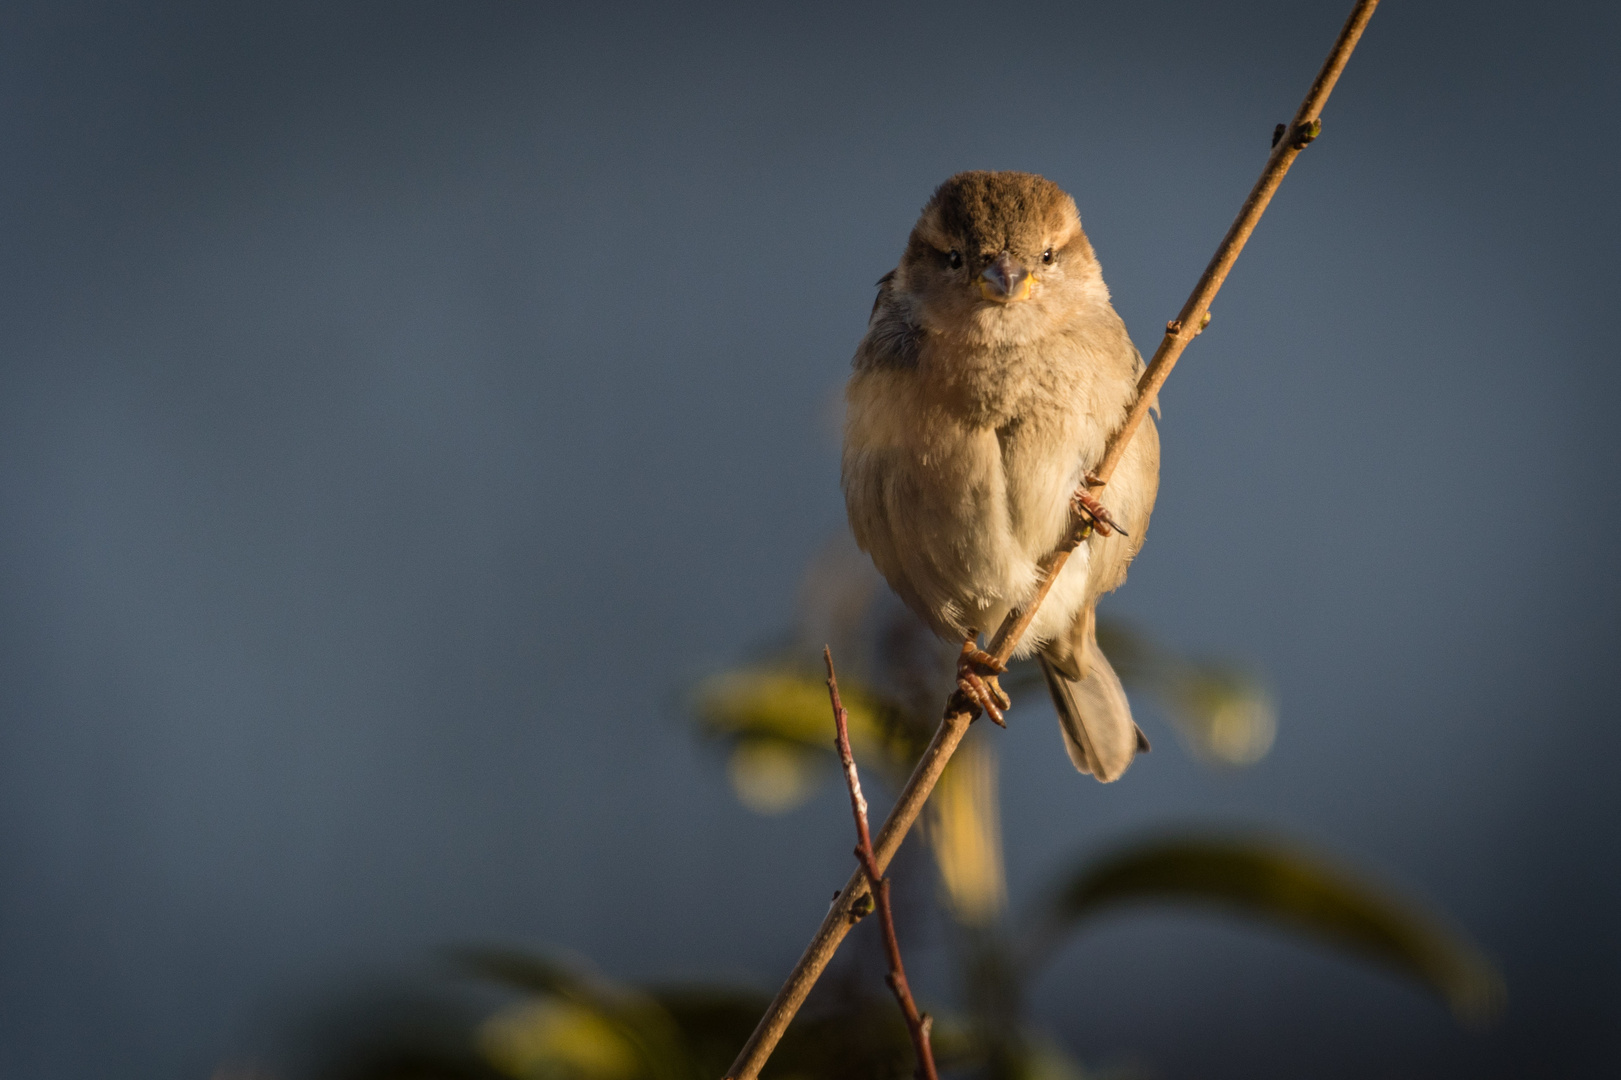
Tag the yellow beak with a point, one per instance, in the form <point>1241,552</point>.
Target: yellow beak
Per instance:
<point>1021,291</point>
<point>1005,281</point>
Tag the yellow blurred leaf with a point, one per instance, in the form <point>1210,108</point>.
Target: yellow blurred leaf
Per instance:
<point>1045,1060</point>
<point>639,1025</point>
<point>771,777</point>
<point>553,1039</point>
<point>779,703</point>
<point>1222,714</point>
<point>965,833</point>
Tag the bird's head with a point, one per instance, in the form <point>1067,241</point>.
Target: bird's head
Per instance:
<point>999,258</point>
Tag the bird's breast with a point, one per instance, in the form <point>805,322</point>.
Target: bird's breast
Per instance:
<point>956,511</point>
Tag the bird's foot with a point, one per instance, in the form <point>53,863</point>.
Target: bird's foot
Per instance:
<point>1092,513</point>
<point>976,682</point>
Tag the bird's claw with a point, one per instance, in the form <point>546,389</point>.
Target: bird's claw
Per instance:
<point>976,682</point>
<point>1093,513</point>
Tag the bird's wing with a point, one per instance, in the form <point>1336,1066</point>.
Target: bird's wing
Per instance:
<point>892,338</point>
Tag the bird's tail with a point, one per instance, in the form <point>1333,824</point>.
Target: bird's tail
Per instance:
<point>1094,715</point>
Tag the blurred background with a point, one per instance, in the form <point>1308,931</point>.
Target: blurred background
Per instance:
<point>403,407</point>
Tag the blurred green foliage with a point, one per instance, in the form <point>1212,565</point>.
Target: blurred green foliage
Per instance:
<point>565,1023</point>
<point>1283,886</point>
<point>771,716</point>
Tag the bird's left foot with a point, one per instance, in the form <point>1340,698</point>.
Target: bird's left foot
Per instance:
<point>976,681</point>
<point>1094,514</point>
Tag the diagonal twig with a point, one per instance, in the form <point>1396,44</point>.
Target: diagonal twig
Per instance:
<point>917,1023</point>
<point>1288,141</point>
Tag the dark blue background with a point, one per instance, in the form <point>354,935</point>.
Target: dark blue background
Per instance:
<point>401,403</point>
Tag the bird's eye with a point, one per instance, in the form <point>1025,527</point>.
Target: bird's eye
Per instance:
<point>1047,256</point>
<point>954,257</point>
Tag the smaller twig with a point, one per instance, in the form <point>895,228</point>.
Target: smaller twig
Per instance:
<point>917,1023</point>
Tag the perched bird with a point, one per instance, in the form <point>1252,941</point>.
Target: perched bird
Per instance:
<point>991,376</point>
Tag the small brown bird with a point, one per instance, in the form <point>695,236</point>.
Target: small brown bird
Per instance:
<point>991,376</point>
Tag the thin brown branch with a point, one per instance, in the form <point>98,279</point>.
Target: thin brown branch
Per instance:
<point>916,1023</point>
<point>1301,130</point>
<point>1195,314</point>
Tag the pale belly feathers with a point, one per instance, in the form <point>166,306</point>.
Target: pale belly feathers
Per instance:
<point>957,505</point>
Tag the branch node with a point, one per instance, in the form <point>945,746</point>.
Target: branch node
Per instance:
<point>1277,133</point>
<point>1174,329</point>
<point>1306,132</point>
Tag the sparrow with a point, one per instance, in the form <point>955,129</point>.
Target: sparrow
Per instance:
<point>991,375</point>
